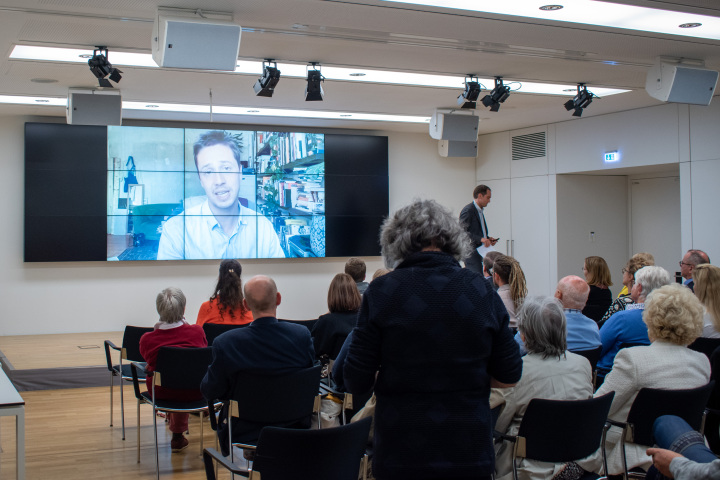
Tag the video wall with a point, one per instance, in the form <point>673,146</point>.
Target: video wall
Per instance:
<point>195,194</point>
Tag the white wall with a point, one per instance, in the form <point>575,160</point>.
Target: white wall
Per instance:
<point>592,203</point>
<point>73,297</point>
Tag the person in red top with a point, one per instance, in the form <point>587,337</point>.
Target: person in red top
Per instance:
<point>172,331</point>
<point>226,303</point>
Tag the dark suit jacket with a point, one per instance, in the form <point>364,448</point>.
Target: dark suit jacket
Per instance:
<point>471,221</point>
<point>266,345</point>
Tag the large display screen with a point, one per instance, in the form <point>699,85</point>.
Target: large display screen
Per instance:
<point>126,193</point>
<point>189,194</point>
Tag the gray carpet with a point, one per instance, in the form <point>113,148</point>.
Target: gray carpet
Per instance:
<point>58,378</point>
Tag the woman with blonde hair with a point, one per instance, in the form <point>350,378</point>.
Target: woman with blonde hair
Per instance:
<point>510,279</point>
<point>707,289</point>
<point>597,275</point>
<point>636,262</point>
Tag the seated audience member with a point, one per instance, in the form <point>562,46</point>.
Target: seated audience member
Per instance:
<point>635,263</point>
<point>337,369</point>
<point>510,279</point>
<point>707,288</point>
<point>690,260</point>
<point>582,332</point>
<point>264,346</point>
<point>597,275</point>
<point>681,453</point>
<point>172,331</point>
<point>674,320</point>
<point>226,303</point>
<point>331,329</point>
<point>488,261</point>
<point>356,268</point>
<point>627,326</point>
<point>549,372</point>
<point>438,335</point>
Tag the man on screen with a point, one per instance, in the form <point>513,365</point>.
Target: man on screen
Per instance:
<point>220,227</point>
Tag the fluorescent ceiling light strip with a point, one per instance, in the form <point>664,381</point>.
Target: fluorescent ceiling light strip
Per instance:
<point>590,12</point>
<point>224,110</point>
<point>53,54</point>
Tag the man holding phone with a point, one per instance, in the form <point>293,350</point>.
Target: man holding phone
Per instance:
<point>473,219</point>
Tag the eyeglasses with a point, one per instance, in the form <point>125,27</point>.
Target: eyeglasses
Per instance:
<point>681,263</point>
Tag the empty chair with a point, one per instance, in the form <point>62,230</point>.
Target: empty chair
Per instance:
<point>129,352</point>
<point>561,431</point>
<point>282,453</point>
<point>214,330</point>
<point>177,368</point>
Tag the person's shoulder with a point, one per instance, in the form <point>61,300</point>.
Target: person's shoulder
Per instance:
<point>467,207</point>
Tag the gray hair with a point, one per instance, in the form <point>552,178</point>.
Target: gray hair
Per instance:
<point>652,277</point>
<point>422,224</point>
<point>542,321</point>
<point>697,257</point>
<point>575,292</point>
<point>170,305</point>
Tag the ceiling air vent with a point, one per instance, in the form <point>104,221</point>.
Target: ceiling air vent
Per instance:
<point>531,145</point>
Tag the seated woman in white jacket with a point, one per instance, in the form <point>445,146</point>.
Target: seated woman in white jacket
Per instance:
<point>674,317</point>
<point>549,372</point>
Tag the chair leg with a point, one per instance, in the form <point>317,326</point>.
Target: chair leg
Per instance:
<point>157,453</point>
<point>202,414</point>
<point>122,407</point>
<point>138,431</point>
<point>112,382</point>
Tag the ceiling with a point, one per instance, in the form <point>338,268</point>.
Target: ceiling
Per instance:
<point>361,33</point>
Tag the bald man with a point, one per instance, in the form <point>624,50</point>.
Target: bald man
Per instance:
<point>582,332</point>
<point>266,345</point>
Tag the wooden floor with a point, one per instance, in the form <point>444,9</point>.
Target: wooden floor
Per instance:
<point>58,351</point>
<point>68,437</point>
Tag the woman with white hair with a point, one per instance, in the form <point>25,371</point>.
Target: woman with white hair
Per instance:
<point>172,330</point>
<point>438,335</point>
<point>627,325</point>
<point>674,319</point>
<point>549,372</point>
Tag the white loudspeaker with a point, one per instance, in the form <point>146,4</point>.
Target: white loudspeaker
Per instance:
<point>450,148</point>
<point>677,83</point>
<point>454,126</point>
<point>94,107</point>
<point>194,42</point>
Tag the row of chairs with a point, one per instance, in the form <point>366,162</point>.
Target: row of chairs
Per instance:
<point>560,431</point>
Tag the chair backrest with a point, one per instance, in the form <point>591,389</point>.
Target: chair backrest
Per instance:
<point>275,399</point>
<point>305,323</point>
<point>131,343</point>
<point>182,368</point>
<point>651,403</point>
<point>563,430</point>
<point>705,345</point>
<point>592,355</point>
<point>214,330</point>
<point>714,401</point>
<point>327,454</point>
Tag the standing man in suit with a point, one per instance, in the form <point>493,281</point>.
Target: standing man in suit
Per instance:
<point>473,220</point>
<point>266,345</point>
<point>692,259</point>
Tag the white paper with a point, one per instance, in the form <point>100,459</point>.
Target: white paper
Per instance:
<point>483,250</point>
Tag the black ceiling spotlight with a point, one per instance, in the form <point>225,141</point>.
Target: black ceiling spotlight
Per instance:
<point>498,95</point>
<point>468,99</point>
<point>580,101</point>
<point>314,91</point>
<point>101,67</point>
<point>265,86</point>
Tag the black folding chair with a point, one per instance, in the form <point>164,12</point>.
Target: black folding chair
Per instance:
<point>560,431</point>
<point>712,421</point>
<point>176,368</point>
<point>130,352</point>
<point>282,453</point>
<point>651,403</point>
<point>592,355</point>
<point>305,323</point>
<point>705,345</point>
<point>214,330</point>
<point>263,399</point>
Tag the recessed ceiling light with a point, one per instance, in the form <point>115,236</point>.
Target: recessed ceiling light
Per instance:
<point>253,111</point>
<point>550,8</point>
<point>42,100</point>
<point>292,70</point>
<point>43,80</point>
<point>357,74</point>
<point>152,106</point>
<point>590,12</point>
<point>569,90</point>
<point>85,55</point>
<point>346,115</point>
<point>690,25</point>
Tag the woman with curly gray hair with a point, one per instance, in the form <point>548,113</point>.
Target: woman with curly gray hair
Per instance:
<point>439,337</point>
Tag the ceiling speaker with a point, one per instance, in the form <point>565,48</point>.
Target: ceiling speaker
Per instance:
<point>451,148</point>
<point>94,107</point>
<point>194,42</point>
<point>454,126</point>
<point>677,83</point>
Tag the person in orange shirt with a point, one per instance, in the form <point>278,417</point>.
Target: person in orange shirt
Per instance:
<point>226,303</point>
